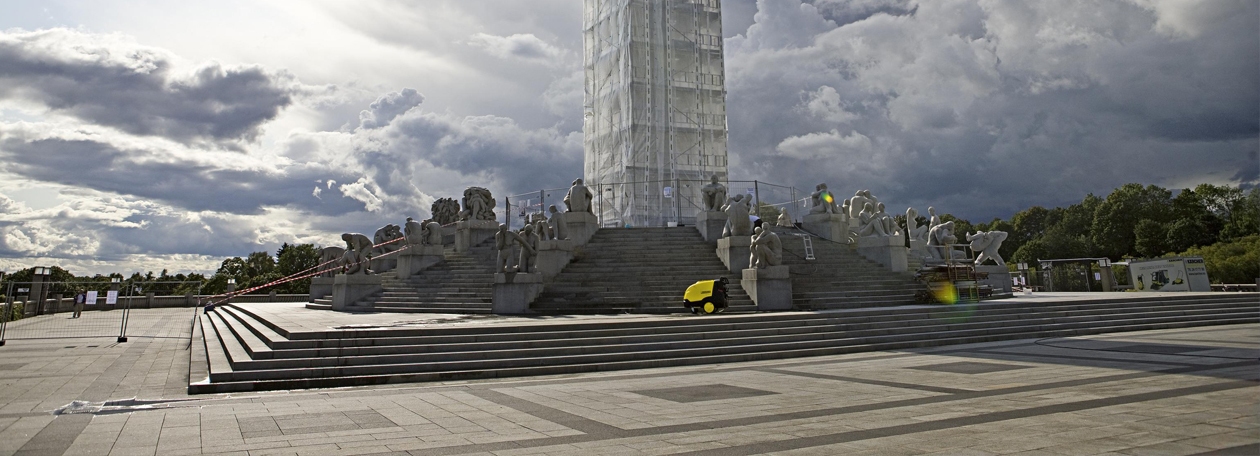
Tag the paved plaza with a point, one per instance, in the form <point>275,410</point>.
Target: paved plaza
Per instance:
<point>1177,391</point>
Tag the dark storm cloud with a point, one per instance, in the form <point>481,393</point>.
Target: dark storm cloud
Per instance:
<point>192,185</point>
<point>986,108</point>
<point>107,81</point>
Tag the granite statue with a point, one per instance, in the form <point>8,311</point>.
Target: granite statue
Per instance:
<point>579,198</point>
<point>869,225</point>
<point>413,231</point>
<point>986,244</point>
<point>714,194</point>
<point>445,211</point>
<point>358,253</point>
<point>541,228</point>
<point>916,232</point>
<point>940,237</point>
<point>766,249</point>
<point>784,219</point>
<point>528,241</point>
<point>889,224</point>
<point>383,238</point>
<point>478,205</point>
<point>857,204</point>
<point>504,242</point>
<point>330,260</point>
<point>556,224</point>
<point>823,202</point>
<point>737,221</point>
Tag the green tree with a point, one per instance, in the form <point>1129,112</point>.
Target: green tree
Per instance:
<point>295,259</point>
<point>1115,218</point>
<point>1186,233</point>
<point>1149,238</point>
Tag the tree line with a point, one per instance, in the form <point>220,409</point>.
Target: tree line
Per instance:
<point>1219,223</point>
<point>256,269</point>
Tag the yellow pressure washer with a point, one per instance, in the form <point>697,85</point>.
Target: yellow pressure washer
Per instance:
<point>706,296</point>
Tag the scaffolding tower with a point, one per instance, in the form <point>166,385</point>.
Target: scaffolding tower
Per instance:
<point>655,107</point>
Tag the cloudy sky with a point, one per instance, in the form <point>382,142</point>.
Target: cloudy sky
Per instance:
<point>143,135</point>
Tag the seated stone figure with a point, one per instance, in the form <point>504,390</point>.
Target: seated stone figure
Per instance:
<point>431,234</point>
<point>556,224</point>
<point>541,228</point>
<point>912,225</point>
<point>528,241</point>
<point>986,244</point>
<point>330,260</point>
<point>504,242</point>
<point>714,194</point>
<point>383,237</point>
<point>579,197</point>
<point>889,224</point>
<point>857,204</point>
<point>939,239</point>
<point>784,218</point>
<point>413,231</point>
<point>823,201</point>
<point>737,221</point>
<point>870,225</point>
<point>766,249</point>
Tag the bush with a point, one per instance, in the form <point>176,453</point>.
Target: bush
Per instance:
<point>1236,261</point>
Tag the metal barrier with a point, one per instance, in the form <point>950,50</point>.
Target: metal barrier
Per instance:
<point>49,310</point>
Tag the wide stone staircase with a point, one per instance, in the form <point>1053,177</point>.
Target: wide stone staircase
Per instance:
<point>840,278</point>
<point>461,284</point>
<point>637,270</point>
<point>239,351</point>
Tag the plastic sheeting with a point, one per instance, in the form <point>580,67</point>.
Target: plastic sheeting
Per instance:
<point>655,107</point>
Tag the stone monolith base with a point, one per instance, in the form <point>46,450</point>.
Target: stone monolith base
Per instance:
<point>832,227</point>
<point>553,256</point>
<point>734,252</point>
<point>769,288</point>
<point>918,249</point>
<point>321,287</point>
<point>349,289</point>
<point>473,232</point>
<point>514,291</point>
<point>581,226</point>
<point>418,258</point>
<point>710,224</point>
<point>889,251</point>
<point>999,278</point>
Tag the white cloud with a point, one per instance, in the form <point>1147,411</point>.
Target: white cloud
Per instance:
<point>524,46</point>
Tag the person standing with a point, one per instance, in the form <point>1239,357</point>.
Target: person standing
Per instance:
<point>79,300</point>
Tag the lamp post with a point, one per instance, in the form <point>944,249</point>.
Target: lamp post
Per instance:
<point>231,288</point>
<point>1023,272</point>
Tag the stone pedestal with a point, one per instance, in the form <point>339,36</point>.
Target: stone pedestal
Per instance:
<point>710,224</point>
<point>384,264</point>
<point>999,278</point>
<point>321,287</point>
<point>734,252</point>
<point>833,227</point>
<point>514,291</point>
<point>418,258</point>
<point>553,256</point>
<point>889,251</point>
<point>918,249</point>
<point>769,288</point>
<point>473,232</point>
<point>349,289</point>
<point>581,226</point>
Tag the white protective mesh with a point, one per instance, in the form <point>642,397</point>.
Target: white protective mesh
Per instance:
<point>655,107</point>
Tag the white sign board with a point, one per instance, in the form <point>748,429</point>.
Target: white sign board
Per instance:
<point>668,192</point>
<point>91,298</point>
<point>1170,274</point>
<point>111,297</point>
